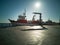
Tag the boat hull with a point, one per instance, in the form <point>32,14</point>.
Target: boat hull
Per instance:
<point>15,23</point>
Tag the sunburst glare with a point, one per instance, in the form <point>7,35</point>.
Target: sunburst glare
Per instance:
<point>37,5</point>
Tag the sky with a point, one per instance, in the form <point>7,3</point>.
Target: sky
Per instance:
<point>11,9</point>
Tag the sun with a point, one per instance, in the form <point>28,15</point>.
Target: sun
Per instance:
<point>37,5</point>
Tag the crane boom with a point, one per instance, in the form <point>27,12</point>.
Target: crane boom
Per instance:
<point>40,20</point>
<point>36,13</point>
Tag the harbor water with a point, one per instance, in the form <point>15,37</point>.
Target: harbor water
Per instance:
<point>20,35</point>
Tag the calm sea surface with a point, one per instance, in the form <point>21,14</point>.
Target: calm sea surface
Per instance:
<point>19,35</point>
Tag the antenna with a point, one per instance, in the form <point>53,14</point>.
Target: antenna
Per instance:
<point>24,12</point>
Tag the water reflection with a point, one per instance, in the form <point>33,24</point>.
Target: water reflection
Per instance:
<point>28,28</point>
<point>36,37</point>
<point>33,37</point>
<point>14,36</point>
<point>18,37</point>
<point>36,27</point>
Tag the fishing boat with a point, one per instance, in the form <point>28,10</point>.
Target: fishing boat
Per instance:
<point>23,21</point>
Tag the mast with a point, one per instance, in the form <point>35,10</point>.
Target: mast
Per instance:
<point>24,14</point>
